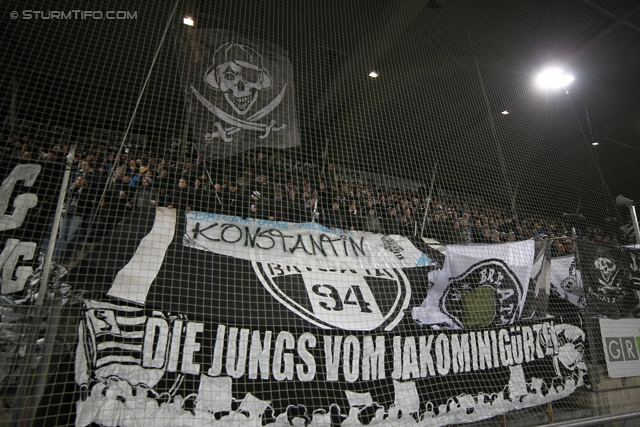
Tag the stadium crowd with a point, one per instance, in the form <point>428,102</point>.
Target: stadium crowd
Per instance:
<point>106,188</point>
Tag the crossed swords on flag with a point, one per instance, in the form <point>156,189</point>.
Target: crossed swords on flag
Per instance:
<point>238,124</point>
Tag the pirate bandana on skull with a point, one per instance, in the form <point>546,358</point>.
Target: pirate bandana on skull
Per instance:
<point>239,74</point>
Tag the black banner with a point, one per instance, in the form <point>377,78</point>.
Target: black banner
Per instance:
<point>211,345</point>
<point>605,275</point>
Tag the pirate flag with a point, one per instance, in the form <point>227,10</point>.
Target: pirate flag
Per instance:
<point>240,93</point>
<point>606,280</point>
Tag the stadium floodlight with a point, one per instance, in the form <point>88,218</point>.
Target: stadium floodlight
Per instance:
<point>623,201</point>
<point>554,78</point>
<point>373,74</point>
<point>187,20</point>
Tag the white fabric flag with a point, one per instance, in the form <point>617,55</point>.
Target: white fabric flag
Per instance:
<point>479,285</point>
<point>566,280</point>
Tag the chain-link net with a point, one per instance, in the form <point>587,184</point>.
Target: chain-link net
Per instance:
<point>318,213</point>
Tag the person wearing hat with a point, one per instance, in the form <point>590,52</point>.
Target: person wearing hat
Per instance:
<point>255,205</point>
<point>262,185</point>
<point>136,181</point>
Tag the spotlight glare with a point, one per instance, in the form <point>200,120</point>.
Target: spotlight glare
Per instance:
<point>373,74</point>
<point>554,78</point>
<point>595,143</point>
<point>505,112</point>
<point>188,21</point>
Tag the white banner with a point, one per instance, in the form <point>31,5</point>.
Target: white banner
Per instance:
<point>621,341</point>
<point>566,280</point>
<point>479,285</point>
<point>307,244</point>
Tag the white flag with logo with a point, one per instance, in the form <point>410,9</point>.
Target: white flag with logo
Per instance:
<point>566,280</point>
<point>478,286</point>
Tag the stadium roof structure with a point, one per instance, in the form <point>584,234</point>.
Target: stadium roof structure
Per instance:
<point>446,72</point>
